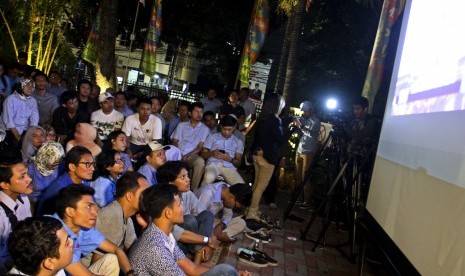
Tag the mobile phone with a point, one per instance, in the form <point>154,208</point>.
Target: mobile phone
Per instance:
<point>222,151</point>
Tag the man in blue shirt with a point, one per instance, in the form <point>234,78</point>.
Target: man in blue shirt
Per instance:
<point>223,152</point>
<point>189,137</point>
<point>309,129</point>
<point>155,156</point>
<point>80,166</point>
<point>77,211</point>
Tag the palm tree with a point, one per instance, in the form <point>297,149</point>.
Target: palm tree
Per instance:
<point>105,67</point>
<point>289,83</point>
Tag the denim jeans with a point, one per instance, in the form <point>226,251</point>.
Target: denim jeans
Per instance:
<point>221,270</point>
<point>201,224</point>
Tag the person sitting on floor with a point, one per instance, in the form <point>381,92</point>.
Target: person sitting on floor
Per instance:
<point>155,156</point>
<point>223,152</point>
<point>197,220</point>
<point>44,167</point>
<point>190,137</point>
<point>157,244</point>
<point>79,166</point>
<point>77,211</point>
<point>67,116</point>
<point>40,246</point>
<point>15,185</point>
<point>114,220</point>
<point>85,136</point>
<point>221,199</point>
<point>110,166</point>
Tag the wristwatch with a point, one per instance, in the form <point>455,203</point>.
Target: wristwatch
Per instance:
<point>206,240</point>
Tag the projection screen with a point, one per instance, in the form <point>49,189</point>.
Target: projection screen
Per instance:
<point>417,192</point>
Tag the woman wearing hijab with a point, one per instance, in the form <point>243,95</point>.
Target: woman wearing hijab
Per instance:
<point>19,112</point>
<point>32,141</point>
<point>44,167</point>
<point>85,136</point>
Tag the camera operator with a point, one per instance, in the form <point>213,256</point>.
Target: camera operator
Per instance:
<point>363,130</point>
<point>308,126</point>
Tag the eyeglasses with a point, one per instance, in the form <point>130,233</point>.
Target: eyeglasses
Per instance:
<point>119,161</point>
<point>88,164</point>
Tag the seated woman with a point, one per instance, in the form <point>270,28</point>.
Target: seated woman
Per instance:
<point>44,167</point>
<point>32,141</point>
<point>85,136</point>
<point>109,168</point>
<point>118,141</point>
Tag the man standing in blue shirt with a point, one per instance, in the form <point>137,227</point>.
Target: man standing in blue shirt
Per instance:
<point>79,166</point>
<point>309,128</point>
<point>77,211</point>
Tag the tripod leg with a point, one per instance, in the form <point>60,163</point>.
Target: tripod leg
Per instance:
<point>329,194</point>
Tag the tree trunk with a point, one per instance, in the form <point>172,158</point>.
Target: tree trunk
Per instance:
<point>284,54</point>
<point>106,60</point>
<point>289,84</point>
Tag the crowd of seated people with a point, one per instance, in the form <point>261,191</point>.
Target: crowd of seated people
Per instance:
<point>112,175</point>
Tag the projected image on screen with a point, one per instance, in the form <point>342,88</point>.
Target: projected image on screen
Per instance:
<point>431,76</point>
<point>417,191</point>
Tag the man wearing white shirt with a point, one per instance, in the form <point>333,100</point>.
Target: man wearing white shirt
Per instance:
<point>106,119</point>
<point>189,137</point>
<point>142,127</point>
<point>15,185</point>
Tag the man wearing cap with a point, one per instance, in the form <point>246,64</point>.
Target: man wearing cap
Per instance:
<point>155,155</point>
<point>106,119</point>
<point>309,128</point>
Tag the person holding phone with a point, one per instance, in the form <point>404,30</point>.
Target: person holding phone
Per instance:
<point>223,152</point>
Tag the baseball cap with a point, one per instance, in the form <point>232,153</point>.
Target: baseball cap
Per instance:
<point>104,96</point>
<point>154,145</point>
<point>306,106</point>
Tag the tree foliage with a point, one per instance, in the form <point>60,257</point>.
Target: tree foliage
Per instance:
<point>39,28</point>
<point>337,40</point>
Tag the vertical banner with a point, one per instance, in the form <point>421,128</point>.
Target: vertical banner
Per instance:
<point>258,28</point>
<point>90,50</point>
<point>389,14</point>
<point>147,64</point>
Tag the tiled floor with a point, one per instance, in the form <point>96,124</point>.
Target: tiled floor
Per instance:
<point>295,256</point>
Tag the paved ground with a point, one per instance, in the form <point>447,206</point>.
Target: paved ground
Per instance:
<point>295,256</point>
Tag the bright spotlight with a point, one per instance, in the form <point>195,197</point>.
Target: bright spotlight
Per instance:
<point>331,104</point>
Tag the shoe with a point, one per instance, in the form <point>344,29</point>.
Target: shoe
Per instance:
<point>266,220</point>
<point>277,225</point>
<point>261,234</point>
<point>271,261</point>
<point>255,224</point>
<point>249,257</point>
